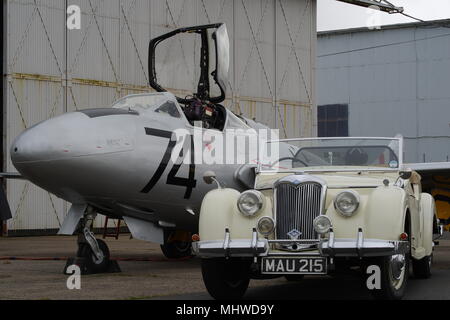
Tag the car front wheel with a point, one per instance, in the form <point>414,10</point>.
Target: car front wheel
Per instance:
<point>394,274</point>
<point>226,279</point>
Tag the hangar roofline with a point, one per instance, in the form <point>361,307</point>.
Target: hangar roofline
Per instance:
<point>429,23</point>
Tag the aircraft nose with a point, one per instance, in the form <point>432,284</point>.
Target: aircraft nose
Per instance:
<point>30,146</point>
<point>69,153</point>
<point>70,136</point>
<point>41,142</point>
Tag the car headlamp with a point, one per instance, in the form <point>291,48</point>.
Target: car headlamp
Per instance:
<point>346,203</point>
<point>322,224</point>
<point>266,226</point>
<point>250,202</point>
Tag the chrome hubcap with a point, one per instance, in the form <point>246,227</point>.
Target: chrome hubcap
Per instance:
<point>397,266</point>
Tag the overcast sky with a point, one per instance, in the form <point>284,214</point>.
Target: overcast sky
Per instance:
<point>333,14</point>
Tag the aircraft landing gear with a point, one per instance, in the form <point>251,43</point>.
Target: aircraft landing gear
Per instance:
<point>93,254</point>
<point>177,244</point>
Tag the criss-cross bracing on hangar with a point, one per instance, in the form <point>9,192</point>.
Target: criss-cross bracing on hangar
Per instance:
<point>49,70</point>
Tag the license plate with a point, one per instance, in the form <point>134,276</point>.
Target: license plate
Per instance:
<point>309,265</point>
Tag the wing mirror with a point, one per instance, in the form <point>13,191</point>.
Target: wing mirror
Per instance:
<point>405,174</point>
<point>210,177</point>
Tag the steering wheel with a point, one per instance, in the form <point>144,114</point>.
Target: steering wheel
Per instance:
<point>294,159</point>
<point>356,156</point>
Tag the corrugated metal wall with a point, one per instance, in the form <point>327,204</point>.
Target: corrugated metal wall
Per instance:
<point>51,70</point>
<point>395,80</point>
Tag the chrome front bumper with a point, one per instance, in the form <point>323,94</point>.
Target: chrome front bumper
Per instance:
<point>330,247</point>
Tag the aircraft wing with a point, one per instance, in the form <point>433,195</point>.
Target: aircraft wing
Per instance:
<point>5,210</point>
<point>436,181</point>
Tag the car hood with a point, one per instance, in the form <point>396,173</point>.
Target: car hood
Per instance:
<point>334,179</point>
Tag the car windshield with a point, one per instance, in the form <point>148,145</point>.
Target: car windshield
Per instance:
<point>332,154</point>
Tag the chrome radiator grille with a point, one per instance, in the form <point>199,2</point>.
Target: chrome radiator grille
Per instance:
<point>296,208</point>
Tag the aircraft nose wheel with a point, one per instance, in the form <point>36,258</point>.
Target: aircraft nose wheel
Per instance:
<point>93,254</point>
<point>96,264</point>
<point>90,263</point>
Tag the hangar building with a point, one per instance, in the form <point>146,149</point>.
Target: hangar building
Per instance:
<point>48,69</point>
<point>387,82</point>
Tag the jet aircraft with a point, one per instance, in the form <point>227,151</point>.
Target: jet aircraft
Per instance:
<point>118,161</point>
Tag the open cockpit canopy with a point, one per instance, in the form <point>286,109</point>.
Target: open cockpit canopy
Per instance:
<point>214,46</point>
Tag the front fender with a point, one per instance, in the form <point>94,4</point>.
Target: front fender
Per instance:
<point>219,211</point>
<point>386,213</point>
<point>381,215</point>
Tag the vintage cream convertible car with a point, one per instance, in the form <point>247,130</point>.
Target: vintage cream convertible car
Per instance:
<point>330,204</point>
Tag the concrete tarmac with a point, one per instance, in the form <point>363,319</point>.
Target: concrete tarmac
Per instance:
<point>158,278</point>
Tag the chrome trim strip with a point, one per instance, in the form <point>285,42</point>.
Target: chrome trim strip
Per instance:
<point>336,138</point>
<point>301,241</point>
<point>236,248</point>
<point>370,248</point>
<point>332,187</point>
<point>339,248</point>
<point>226,243</point>
<point>295,254</point>
<point>336,170</point>
<point>255,242</point>
<point>354,187</point>
<point>332,247</point>
<point>331,239</point>
<point>359,242</point>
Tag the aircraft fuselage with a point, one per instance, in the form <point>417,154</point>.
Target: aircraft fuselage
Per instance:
<point>117,161</point>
